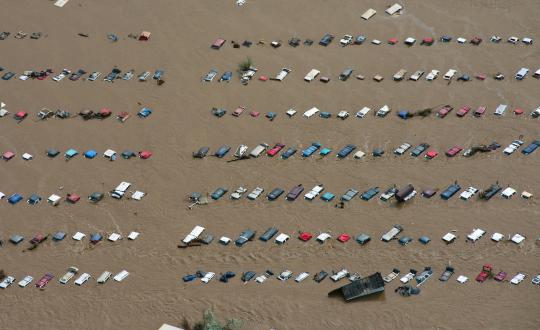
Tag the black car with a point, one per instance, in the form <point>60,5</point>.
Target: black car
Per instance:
<point>219,112</point>
<point>419,149</point>
<point>201,153</point>
<point>320,276</point>
<point>326,39</point>
<point>8,75</point>
<point>244,237</point>
<point>247,276</point>
<point>274,194</point>
<point>76,75</point>
<point>268,234</point>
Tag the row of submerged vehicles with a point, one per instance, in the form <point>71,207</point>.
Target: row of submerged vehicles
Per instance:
<point>243,151</point>
<point>114,74</point>
<point>400,75</point>
<point>349,39</point>
<point>441,112</point>
<point>419,277</point>
<point>401,195</point>
<point>65,279</point>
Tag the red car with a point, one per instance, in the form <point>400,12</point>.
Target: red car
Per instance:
<point>218,43</point>
<point>343,238</point>
<point>479,112</point>
<point>272,152</point>
<point>20,115</point>
<point>238,111</point>
<point>254,113</point>
<point>481,76</point>
<point>305,236</point>
<point>431,154</point>
<point>500,276</point>
<point>145,154</point>
<point>392,41</point>
<point>518,111</point>
<point>73,198</point>
<point>453,151</point>
<point>427,41</point>
<point>484,274</point>
<point>463,111</point>
<point>444,111</point>
<point>44,280</point>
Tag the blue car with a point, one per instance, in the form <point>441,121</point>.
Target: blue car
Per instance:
<point>144,113</point>
<point>189,278</point>
<point>359,40</point>
<point>327,196</point>
<point>450,191</point>
<point>288,153</point>
<point>158,74</point>
<point>311,149</point>
<point>226,76</point>
<point>218,193</point>
<point>346,151</point>
<point>326,39</point>
<point>222,151</point>
<point>531,147</point>
<point>325,114</point>
<point>370,193</point>
<point>14,199</point>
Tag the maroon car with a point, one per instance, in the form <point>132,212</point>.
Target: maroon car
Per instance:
<point>484,274</point>
<point>479,112</point>
<point>453,151</point>
<point>500,276</point>
<point>44,280</point>
<point>38,239</point>
<point>294,192</point>
<point>463,111</point>
<point>238,111</point>
<point>443,111</point>
<point>274,151</point>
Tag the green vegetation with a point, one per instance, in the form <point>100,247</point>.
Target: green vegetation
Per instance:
<point>210,322</point>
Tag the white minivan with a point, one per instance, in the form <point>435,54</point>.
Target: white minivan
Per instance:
<point>449,74</point>
<point>120,190</point>
<point>521,73</point>
<point>312,75</point>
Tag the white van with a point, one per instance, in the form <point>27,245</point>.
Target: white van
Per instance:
<point>314,192</point>
<point>82,279</point>
<point>208,277</point>
<point>393,9</point>
<point>302,276</point>
<point>195,233</point>
<point>282,74</point>
<point>310,112</point>
<point>362,112</point>
<point>104,277</point>
<point>391,234</point>
<point>476,235</point>
<point>416,75</point>
<point>121,276</point>
<point>521,73</point>
<point>120,190</point>
<point>501,109</point>
<point>432,75</point>
<point>339,275</point>
<point>258,150</point>
<point>383,111</point>
<point>312,75</point>
<point>449,74</point>
<point>400,75</point>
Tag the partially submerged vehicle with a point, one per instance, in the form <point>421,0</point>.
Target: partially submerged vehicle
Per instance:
<point>359,288</point>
